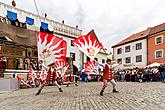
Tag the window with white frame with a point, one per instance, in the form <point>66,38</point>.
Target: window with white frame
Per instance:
<point>128,60</point>
<point>139,58</point>
<point>119,60</point>
<point>159,40</point>
<point>138,46</point>
<point>127,49</point>
<point>159,54</point>
<point>72,55</point>
<point>103,60</point>
<point>72,43</point>
<point>96,59</point>
<point>119,51</point>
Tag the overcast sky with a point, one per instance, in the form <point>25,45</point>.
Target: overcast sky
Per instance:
<point>112,20</point>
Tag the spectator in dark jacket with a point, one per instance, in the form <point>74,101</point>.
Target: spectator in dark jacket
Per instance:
<point>162,73</point>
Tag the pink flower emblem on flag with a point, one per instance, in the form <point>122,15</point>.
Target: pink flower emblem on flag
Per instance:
<point>91,67</point>
<point>88,44</point>
<point>61,67</point>
<point>50,48</point>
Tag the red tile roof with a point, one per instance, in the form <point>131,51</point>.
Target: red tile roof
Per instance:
<point>158,28</point>
<point>134,37</point>
<point>142,35</point>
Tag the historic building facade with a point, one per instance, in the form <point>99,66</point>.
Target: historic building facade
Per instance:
<point>102,56</point>
<point>142,49</point>
<point>156,44</point>
<point>132,52</point>
<point>18,35</point>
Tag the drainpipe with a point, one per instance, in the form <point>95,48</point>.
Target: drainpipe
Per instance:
<point>147,42</point>
<point>147,48</point>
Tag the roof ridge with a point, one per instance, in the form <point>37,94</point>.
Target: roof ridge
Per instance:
<point>157,28</point>
<point>133,36</point>
<point>158,25</point>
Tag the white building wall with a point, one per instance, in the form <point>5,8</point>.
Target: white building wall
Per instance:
<point>133,53</point>
<point>101,56</point>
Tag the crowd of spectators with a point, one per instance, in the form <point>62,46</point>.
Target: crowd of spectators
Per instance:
<point>147,74</point>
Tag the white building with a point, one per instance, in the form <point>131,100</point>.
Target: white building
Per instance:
<point>102,56</point>
<point>132,52</point>
<point>34,22</point>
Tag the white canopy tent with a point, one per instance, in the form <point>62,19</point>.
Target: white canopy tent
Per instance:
<point>153,64</point>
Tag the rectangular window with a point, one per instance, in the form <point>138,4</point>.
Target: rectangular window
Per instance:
<point>127,49</point>
<point>159,40</point>
<point>72,55</point>
<point>119,51</point>
<point>139,58</point>
<point>128,60</point>
<point>103,60</point>
<point>159,54</point>
<point>96,59</point>
<point>72,43</point>
<point>88,59</point>
<point>119,60</point>
<point>138,46</point>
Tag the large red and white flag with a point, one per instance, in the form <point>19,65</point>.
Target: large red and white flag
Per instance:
<point>91,67</point>
<point>88,44</point>
<point>61,67</point>
<point>50,48</point>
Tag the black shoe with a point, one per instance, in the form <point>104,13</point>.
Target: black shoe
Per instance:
<point>67,85</point>
<point>115,91</point>
<point>101,93</point>
<point>76,84</point>
<point>60,90</point>
<point>39,91</point>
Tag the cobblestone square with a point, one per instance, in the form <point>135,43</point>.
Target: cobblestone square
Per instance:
<point>132,96</point>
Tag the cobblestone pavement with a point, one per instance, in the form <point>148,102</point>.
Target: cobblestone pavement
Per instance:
<point>132,96</point>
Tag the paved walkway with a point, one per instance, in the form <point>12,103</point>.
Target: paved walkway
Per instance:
<point>132,96</point>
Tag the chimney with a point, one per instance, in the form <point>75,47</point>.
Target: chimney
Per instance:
<point>13,3</point>
<point>76,26</point>
<point>45,15</point>
<point>62,21</point>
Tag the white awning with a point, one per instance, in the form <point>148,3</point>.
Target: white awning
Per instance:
<point>154,64</point>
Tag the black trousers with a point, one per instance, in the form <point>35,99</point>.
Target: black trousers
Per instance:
<point>76,79</point>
